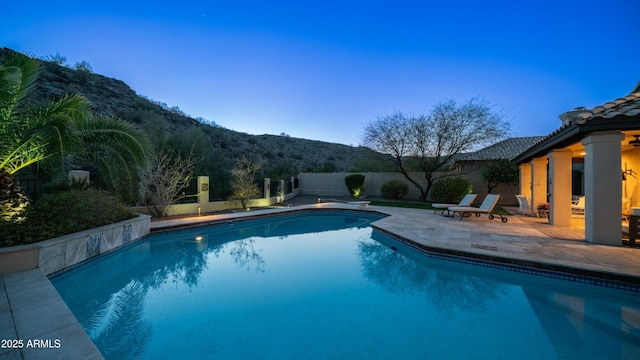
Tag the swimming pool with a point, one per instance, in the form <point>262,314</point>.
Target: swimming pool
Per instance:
<point>325,285</point>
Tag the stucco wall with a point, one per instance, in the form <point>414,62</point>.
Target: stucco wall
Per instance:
<point>332,184</point>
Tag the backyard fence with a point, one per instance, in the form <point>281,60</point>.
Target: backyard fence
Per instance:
<point>32,188</point>
<point>332,184</point>
<point>219,189</point>
<point>213,195</point>
<point>189,195</point>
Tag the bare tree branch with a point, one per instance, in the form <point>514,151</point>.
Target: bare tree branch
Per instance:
<point>435,139</point>
<point>163,180</point>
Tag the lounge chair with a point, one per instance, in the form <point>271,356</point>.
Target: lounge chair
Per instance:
<point>487,206</point>
<point>467,200</point>
<point>578,207</point>
<point>523,204</point>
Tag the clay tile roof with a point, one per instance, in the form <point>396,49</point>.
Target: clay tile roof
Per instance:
<point>626,106</point>
<point>505,149</point>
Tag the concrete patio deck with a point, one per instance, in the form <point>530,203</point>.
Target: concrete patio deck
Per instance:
<point>30,307</point>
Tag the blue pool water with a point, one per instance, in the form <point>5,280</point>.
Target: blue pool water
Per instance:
<point>325,286</point>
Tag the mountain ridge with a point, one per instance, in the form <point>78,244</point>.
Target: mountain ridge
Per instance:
<point>220,147</point>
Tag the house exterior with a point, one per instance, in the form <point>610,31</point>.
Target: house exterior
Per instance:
<point>605,141</point>
<point>471,166</point>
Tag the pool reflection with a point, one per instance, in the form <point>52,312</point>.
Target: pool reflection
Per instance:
<point>580,321</point>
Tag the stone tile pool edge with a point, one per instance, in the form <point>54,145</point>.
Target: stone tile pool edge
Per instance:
<point>556,271</point>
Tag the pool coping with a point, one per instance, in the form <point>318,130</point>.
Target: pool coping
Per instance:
<point>575,274</point>
<point>32,311</point>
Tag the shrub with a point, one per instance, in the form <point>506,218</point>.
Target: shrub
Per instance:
<point>243,180</point>
<point>64,213</point>
<point>354,184</point>
<point>394,189</point>
<point>450,190</point>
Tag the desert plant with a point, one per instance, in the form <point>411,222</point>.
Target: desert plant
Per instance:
<point>83,66</point>
<point>163,180</point>
<point>354,183</point>
<point>394,189</point>
<point>243,181</point>
<point>450,190</point>
<point>57,59</point>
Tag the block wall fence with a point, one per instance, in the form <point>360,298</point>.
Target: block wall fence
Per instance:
<point>332,185</point>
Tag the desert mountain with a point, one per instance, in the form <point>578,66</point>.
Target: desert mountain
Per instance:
<point>173,130</point>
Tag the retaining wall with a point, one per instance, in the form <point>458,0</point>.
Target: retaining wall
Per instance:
<point>64,251</point>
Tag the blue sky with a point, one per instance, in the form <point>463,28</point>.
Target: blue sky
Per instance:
<point>323,70</point>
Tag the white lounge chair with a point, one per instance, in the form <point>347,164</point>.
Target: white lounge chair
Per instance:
<point>467,200</point>
<point>487,206</point>
<point>523,205</point>
<point>578,207</point>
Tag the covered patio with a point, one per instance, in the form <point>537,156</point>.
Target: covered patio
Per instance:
<point>595,153</point>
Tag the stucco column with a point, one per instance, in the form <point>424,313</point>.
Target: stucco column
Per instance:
<point>525,180</point>
<point>280,191</point>
<point>538,183</point>
<point>603,187</point>
<point>79,176</point>
<point>560,187</point>
<point>203,192</point>
<point>267,188</point>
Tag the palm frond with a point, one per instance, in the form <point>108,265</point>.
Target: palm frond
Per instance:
<point>118,133</point>
<point>18,79</point>
<point>17,157</point>
<point>9,83</point>
<point>54,123</point>
<point>116,148</point>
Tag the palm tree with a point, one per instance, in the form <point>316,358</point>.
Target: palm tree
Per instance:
<point>63,129</point>
<point>115,148</point>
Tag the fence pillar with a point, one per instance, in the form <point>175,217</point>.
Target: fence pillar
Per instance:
<point>267,188</point>
<point>203,193</point>
<point>80,176</point>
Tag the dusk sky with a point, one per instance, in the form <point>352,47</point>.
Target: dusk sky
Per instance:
<point>324,70</point>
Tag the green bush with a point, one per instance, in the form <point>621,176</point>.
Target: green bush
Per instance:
<point>394,189</point>
<point>64,213</point>
<point>450,190</point>
<point>354,184</point>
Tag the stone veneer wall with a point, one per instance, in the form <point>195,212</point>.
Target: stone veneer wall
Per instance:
<point>65,251</point>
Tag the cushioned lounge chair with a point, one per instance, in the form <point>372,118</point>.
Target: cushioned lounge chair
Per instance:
<point>467,200</point>
<point>487,206</point>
